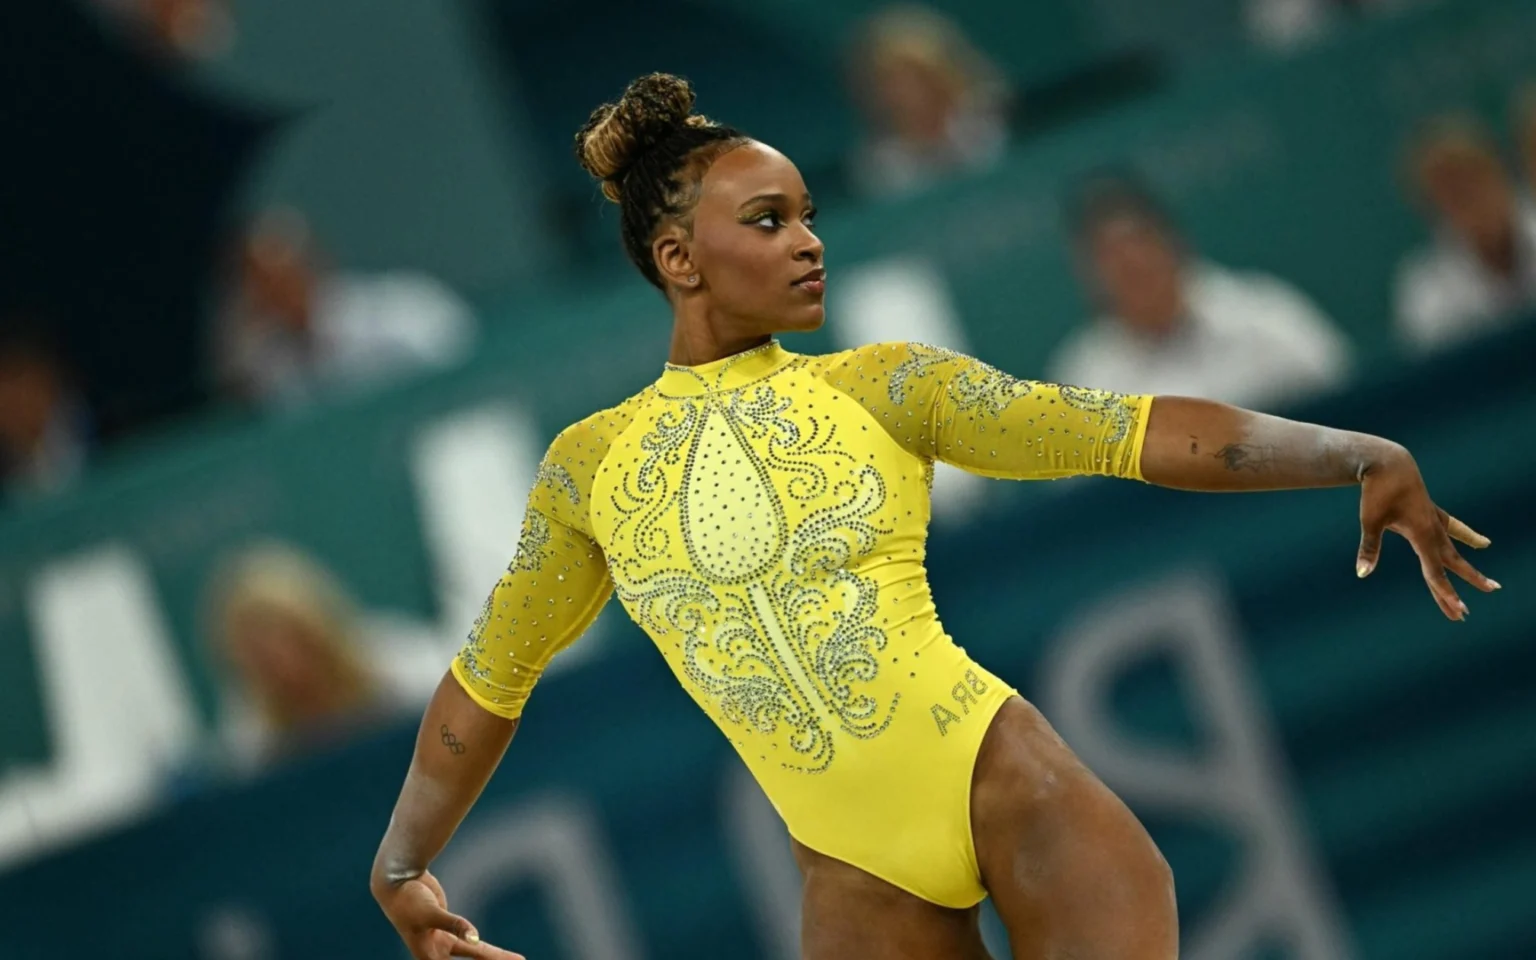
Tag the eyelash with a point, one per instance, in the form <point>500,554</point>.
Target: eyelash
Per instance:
<point>809,219</point>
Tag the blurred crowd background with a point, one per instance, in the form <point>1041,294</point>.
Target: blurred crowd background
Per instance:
<point>293,295</point>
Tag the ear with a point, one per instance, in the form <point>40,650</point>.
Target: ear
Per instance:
<point>674,257</point>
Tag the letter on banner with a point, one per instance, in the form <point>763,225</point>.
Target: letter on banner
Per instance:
<point>1283,894</point>
<point>555,842</point>
<point>118,708</point>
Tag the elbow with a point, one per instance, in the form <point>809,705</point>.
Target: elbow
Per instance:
<point>379,886</point>
<point>388,872</point>
<point>382,882</point>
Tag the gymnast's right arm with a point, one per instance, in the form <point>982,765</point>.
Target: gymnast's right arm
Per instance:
<point>550,594</point>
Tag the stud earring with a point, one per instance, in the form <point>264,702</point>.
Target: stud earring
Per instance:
<point>693,279</point>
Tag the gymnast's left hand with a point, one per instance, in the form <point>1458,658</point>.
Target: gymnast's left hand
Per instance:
<point>418,908</point>
<point>1393,497</point>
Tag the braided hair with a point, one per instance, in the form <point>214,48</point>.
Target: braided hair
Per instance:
<point>650,152</point>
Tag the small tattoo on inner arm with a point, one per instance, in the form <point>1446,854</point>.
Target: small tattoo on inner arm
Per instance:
<point>1260,458</point>
<point>1194,445</point>
<point>454,744</point>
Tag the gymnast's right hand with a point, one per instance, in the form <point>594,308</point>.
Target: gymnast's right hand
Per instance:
<point>419,910</point>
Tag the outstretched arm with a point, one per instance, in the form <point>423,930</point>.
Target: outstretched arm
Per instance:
<point>1203,445</point>
<point>941,405</point>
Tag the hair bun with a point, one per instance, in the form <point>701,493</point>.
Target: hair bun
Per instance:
<point>617,135</point>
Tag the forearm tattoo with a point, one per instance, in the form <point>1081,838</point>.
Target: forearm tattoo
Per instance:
<point>454,744</point>
<point>1257,457</point>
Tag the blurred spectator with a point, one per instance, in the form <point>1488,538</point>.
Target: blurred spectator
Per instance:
<point>1479,273</point>
<point>934,104</point>
<point>297,650</point>
<point>45,432</point>
<point>294,328</point>
<point>1173,323</point>
<point>197,29</point>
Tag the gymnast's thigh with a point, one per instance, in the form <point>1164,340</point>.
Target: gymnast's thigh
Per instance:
<point>1070,869</point>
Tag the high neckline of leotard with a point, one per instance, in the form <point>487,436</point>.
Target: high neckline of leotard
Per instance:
<point>727,373</point>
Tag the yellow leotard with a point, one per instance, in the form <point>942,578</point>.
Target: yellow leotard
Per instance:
<point>763,519</point>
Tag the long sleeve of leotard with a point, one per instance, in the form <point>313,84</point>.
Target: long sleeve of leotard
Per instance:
<point>942,405</point>
<point>554,588</point>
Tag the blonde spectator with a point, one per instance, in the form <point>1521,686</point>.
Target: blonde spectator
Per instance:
<point>305,664</point>
<point>1478,274</point>
<point>935,105</point>
<point>287,633</point>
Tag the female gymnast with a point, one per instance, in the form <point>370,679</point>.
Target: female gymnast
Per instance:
<point>762,514</point>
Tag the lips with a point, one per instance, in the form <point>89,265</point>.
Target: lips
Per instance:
<point>814,281</point>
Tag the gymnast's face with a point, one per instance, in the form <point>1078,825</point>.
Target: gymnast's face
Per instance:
<point>752,246</point>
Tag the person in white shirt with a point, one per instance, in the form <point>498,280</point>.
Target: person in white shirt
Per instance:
<point>294,330</point>
<point>1172,323</point>
<point>1478,274</point>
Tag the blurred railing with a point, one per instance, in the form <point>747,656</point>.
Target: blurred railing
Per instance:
<point>1324,760</point>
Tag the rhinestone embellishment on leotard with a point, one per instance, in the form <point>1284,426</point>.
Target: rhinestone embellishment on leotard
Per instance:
<point>1116,409</point>
<point>973,386</point>
<point>919,363</point>
<point>766,532</point>
<point>530,546</point>
<point>757,600</point>
<point>559,478</point>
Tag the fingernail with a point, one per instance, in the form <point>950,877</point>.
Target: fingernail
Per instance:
<point>1362,570</point>
<point>1465,613</point>
<point>472,937</point>
<point>1495,585</point>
